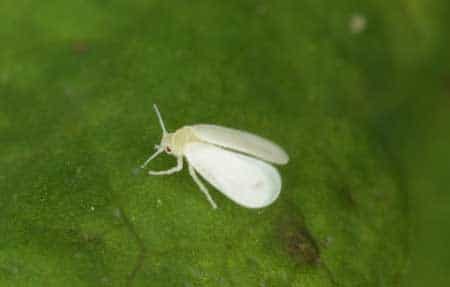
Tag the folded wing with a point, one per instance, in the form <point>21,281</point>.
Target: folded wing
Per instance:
<point>247,181</point>
<point>242,141</point>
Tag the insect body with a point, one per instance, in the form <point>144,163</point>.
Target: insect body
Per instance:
<point>233,161</point>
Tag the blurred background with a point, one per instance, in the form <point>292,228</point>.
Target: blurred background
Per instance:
<point>357,92</point>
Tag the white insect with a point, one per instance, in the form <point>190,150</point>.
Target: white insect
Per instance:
<point>217,154</point>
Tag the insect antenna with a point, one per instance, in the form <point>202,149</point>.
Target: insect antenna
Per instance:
<point>158,114</point>
<point>155,154</point>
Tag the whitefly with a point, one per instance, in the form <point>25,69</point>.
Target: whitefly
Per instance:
<point>235,162</point>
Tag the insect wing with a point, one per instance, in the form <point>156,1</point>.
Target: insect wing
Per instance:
<point>245,180</point>
<point>242,141</point>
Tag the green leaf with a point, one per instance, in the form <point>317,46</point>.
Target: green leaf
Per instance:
<point>77,82</point>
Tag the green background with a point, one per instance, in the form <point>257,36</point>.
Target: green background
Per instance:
<point>364,116</point>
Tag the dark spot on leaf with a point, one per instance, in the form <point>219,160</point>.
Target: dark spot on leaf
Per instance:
<point>299,243</point>
<point>302,247</point>
<point>80,47</point>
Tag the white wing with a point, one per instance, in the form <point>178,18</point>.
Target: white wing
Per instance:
<point>241,141</point>
<point>247,181</point>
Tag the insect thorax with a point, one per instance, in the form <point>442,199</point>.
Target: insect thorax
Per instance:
<point>180,138</point>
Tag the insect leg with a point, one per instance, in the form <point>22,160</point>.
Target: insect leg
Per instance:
<point>174,169</point>
<point>201,186</point>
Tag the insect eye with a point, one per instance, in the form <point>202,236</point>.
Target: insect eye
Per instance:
<point>168,149</point>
